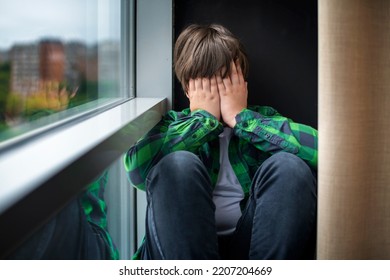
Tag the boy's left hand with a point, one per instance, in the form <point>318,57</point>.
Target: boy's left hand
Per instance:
<point>233,93</point>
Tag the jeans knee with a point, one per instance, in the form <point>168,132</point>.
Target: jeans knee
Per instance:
<point>177,177</point>
<point>289,164</point>
<point>288,169</point>
<point>179,162</point>
<point>177,168</point>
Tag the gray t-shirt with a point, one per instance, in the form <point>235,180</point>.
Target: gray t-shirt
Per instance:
<point>228,192</point>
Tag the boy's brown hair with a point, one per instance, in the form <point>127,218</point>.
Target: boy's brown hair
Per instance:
<point>205,50</point>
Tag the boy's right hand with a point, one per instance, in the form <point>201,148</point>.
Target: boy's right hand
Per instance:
<point>203,94</point>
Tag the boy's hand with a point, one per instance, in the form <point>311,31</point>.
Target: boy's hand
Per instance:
<point>203,94</point>
<point>233,92</point>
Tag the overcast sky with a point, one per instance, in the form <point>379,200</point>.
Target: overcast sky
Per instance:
<point>25,21</point>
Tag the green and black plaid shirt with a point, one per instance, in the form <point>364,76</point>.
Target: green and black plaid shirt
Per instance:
<point>259,133</point>
<point>95,209</point>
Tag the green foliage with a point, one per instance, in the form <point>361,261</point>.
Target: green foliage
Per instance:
<point>5,74</point>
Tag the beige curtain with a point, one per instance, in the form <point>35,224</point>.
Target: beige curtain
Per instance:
<point>354,129</point>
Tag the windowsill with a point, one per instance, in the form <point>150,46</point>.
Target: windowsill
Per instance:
<point>39,176</point>
<point>25,131</point>
<point>27,166</point>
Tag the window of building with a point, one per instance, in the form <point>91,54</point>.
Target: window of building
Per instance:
<point>61,137</point>
<point>60,59</point>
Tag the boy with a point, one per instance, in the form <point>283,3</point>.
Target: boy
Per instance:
<point>224,180</point>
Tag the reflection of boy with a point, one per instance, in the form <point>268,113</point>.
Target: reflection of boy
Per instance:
<point>78,231</point>
<point>224,180</point>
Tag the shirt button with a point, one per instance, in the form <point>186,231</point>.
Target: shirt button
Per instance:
<point>212,123</point>
<point>245,124</point>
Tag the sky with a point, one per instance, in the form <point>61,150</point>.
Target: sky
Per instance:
<point>90,21</point>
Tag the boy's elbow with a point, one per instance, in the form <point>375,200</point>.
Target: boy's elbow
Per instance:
<point>133,173</point>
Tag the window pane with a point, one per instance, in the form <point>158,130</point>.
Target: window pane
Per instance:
<point>96,224</point>
<point>57,59</point>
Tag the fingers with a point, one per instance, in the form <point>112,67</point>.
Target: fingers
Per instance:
<point>220,85</point>
<point>234,74</point>
<point>206,84</point>
<point>213,85</point>
<point>239,72</point>
<point>198,84</point>
<point>227,81</point>
<point>230,80</point>
<point>216,84</point>
<point>235,77</point>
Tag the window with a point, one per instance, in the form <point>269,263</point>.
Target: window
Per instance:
<point>47,160</point>
<point>58,59</point>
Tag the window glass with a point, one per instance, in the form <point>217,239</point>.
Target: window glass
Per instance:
<point>57,59</point>
<point>95,224</point>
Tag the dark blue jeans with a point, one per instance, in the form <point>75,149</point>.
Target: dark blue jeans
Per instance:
<point>67,236</point>
<point>279,221</point>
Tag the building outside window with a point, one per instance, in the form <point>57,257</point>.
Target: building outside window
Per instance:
<point>63,55</point>
<point>61,61</point>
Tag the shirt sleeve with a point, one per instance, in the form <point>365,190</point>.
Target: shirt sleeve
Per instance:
<point>95,209</point>
<point>270,132</point>
<point>175,132</point>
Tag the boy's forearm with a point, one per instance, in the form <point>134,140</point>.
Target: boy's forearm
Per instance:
<point>276,133</point>
<point>187,134</point>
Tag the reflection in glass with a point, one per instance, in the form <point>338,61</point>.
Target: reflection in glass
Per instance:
<point>78,231</point>
<point>61,57</point>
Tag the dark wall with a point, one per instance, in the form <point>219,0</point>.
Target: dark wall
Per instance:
<point>280,37</point>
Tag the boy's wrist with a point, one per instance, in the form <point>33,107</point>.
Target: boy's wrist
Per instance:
<point>232,123</point>
<point>204,114</point>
